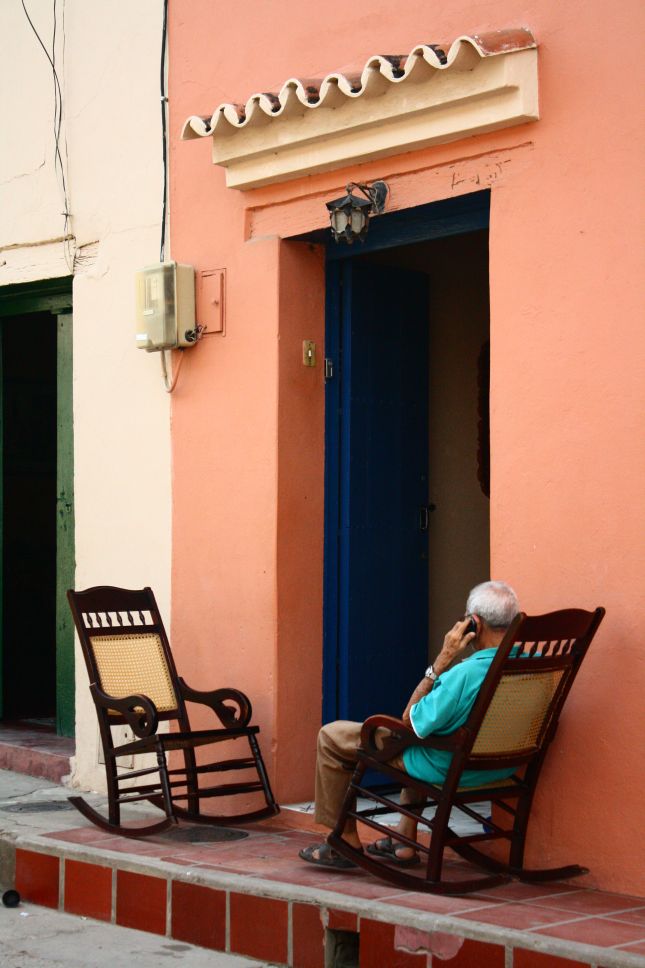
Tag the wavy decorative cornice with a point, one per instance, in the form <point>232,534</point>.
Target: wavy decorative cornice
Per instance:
<point>264,139</point>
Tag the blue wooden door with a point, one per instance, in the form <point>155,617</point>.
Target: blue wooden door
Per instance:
<point>376,580</point>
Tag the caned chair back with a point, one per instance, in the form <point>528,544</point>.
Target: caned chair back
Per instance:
<point>520,700</point>
<point>131,663</point>
<point>518,713</point>
<point>125,646</point>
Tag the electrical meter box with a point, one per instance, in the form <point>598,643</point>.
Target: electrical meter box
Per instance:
<point>165,306</point>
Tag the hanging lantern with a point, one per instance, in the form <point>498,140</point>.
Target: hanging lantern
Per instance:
<point>349,216</point>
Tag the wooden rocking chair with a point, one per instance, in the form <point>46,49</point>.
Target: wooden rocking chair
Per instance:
<point>511,725</point>
<point>134,683</point>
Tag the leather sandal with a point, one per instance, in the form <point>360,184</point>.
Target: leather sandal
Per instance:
<point>387,848</point>
<point>327,857</point>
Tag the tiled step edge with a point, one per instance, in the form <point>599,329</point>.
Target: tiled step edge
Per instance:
<point>290,920</point>
<point>34,762</point>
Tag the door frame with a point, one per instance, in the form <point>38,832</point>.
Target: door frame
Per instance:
<point>53,296</point>
<point>453,216</point>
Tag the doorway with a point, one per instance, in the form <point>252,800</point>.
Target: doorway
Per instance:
<point>407,451</point>
<point>36,475</point>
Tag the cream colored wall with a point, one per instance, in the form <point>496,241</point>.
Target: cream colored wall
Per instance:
<point>110,79</point>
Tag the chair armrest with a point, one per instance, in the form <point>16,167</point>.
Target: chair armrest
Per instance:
<point>139,711</point>
<point>237,715</point>
<point>402,737</point>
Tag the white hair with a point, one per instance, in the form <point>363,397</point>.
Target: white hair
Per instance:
<point>495,602</point>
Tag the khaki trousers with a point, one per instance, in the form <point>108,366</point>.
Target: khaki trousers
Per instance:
<point>335,762</point>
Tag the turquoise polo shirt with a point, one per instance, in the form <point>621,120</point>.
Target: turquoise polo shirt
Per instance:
<point>446,708</point>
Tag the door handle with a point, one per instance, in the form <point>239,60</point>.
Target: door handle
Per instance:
<point>424,516</point>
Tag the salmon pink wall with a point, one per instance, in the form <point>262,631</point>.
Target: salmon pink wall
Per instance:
<point>301,448</point>
<point>566,329</point>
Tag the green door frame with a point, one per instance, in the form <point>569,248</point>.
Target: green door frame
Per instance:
<point>65,557</point>
<point>54,296</point>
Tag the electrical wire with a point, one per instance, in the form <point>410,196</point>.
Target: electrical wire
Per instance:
<point>199,330</point>
<point>164,137</point>
<point>170,386</point>
<point>64,167</point>
<point>56,101</point>
<point>58,121</point>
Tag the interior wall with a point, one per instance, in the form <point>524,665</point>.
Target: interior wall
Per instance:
<point>460,526</point>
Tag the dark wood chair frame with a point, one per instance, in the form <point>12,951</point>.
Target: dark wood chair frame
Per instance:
<point>556,642</point>
<point>108,610</point>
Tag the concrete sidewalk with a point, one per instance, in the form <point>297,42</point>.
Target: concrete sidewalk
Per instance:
<point>36,937</point>
<point>32,936</point>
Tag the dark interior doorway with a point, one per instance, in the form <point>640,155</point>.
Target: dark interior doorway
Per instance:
<point>458,418</point>
<point>363,653</point>
<point>29,412</point>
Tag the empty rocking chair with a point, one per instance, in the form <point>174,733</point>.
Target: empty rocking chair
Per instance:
<point>511,725</point>
<point>134,683</point>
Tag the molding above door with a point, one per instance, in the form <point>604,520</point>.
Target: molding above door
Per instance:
<point>481,85</point>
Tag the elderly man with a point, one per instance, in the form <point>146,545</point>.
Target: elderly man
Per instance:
<point>440,704</point>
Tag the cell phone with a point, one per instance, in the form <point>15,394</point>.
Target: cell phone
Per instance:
<point>472,626</point>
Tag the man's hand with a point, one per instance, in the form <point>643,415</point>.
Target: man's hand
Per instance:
<point>455,643</point>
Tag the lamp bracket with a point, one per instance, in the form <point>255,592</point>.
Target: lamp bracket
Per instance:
<point>376,192</point>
